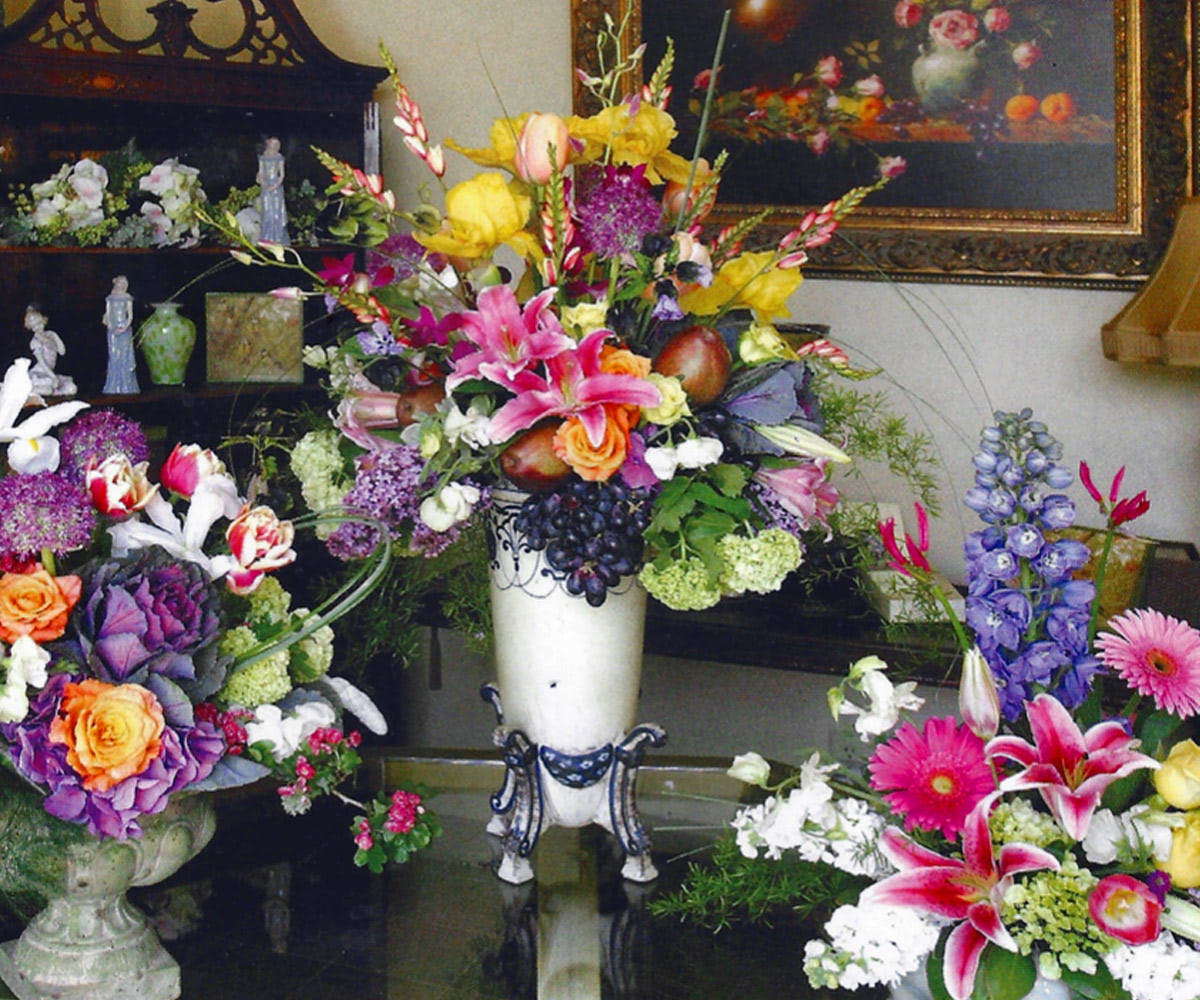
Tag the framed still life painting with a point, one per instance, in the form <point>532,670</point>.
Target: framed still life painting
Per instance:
<point>1046,141</point>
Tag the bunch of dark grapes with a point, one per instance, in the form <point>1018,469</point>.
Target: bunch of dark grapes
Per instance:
<point>591,534</point>
<point>984,123</point>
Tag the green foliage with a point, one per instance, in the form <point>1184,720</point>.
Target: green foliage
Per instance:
<point>732,888</point>
<point>1004,975</point>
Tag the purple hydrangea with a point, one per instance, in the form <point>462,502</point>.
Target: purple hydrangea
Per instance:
<point>96,434</point>
<point>190,751</point>
<point>148,615</point>
<point>618,211</point>
<point>43,511</point>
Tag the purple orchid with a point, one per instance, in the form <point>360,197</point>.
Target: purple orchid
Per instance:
<point>576,386</point>
<point>508,339</point>
<point>970,890</point>
<point>1070,768</point>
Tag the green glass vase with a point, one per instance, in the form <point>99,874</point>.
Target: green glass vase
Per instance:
<point>167,339</point>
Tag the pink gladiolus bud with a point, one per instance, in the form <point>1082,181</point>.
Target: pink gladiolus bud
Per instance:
<point>375,409</point>
<point>1126,909</point>
<point>542,148</point>
<point>260,542</point>
<point>291,293</point>
<point>978,699</point>
<point>117,487</point>
<point>187,466</point>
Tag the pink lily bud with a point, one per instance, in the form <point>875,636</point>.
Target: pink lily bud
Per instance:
<point>978,699</point>
<point>533,160</point>
<point>187,466</point>
<point>375,409</point>
<point>117,487</point>
<point>260,542</point>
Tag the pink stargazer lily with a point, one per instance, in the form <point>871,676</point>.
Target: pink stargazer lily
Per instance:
<point>1070,768</point>
<point>508,339</point>
<point>970,890</point>
<point>575,386</point>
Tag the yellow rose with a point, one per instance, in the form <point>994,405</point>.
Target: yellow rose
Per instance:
<point>645,138</point>
<point>750,280</point>
<point>1184,863</point>
<point>111,731</point>
<point>760,344</point>
<point>585,317</point>
<point>482,214</point>
<point>1178,780</point>
<point>674,404</point>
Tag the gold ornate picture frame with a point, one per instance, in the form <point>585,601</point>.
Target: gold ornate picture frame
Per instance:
<point>1075,191</point>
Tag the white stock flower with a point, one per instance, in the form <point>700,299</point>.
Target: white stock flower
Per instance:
<point>887,701</point>
<point>1163,969</point>
<point>696,453</point>
<point>26,667</point>
<point>453,503</point>
<point>878,945</point>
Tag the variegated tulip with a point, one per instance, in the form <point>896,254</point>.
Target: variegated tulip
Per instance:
<point>260,542</point>
<point>118,487</point>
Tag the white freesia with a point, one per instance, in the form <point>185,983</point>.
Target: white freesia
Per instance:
<point>452,503</point>
<point>215,497</point>
<point>285,733</point>
<point>886,700</point>
<point>30,448</point>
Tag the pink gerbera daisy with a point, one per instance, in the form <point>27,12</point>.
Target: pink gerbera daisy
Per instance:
<point>1156,655</point>
<point>933,777</point>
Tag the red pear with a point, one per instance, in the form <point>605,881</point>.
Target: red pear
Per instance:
<point>415,403</point>
<point>699,358</point>
<point>530,462</point>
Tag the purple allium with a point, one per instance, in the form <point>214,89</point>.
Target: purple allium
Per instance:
<point>147,615</point>
<point>618,211</point>
<point>98,433</point>
<point>43,511</point>
<point>190,751</point>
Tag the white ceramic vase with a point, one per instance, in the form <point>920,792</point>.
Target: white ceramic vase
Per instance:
<point>566,696</point>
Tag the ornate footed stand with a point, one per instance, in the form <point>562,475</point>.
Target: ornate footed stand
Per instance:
<point>544,787</point>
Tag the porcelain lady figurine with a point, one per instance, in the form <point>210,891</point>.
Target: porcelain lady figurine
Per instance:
<point>121,378</point>
<point>270,182</point>
<point>46,346</point>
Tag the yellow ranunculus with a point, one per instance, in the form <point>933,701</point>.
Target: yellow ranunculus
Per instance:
<point>1178,780</point>
<point>481,214</point>
<point>645,138</point>
<point>750,280</point>
<point>1184,863</point>
<point>674,404</point>
<point>761,343</point>
<point>503,135</point>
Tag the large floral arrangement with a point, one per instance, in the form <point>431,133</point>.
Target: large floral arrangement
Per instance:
<point>149,647</point>
<point>631,379</point>
<point>1050,829</point>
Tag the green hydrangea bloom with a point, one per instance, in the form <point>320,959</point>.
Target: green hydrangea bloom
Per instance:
<point>1050,909</point>
<point>758,564</point>
<point>312,656</point>
<point>260,683</point>
<point>1015,821</point>
<point>269,602</point>
<point>683,585</point>
<point>318,464</point>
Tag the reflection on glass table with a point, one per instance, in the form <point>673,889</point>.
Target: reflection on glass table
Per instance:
<point>275,910</point>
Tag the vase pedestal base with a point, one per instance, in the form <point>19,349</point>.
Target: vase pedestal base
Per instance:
<point>545,787</point>
<point>159,980</point>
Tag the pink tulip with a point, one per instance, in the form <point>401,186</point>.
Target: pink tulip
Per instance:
<point>542,148</point>
<point>187,466</point>
<point>1125,909</point>
<point>118,487</point>
<point>260,542</point>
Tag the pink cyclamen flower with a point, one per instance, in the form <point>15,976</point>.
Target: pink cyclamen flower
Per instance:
<point>260,542</point>
<point>914,555</point>
<point>187,466</point>
<point>1071,769</point>
<point>1156,655</point>
<point>1026,54</point>
<point>908,14</point>
<point>818,141</point>
<point>970,891</point>
<point>954,29</point>
<point>118,487</point>
<point>829,71</point>
<point>934,777</point>
<point>1125,909</point>
<point>997,19</point>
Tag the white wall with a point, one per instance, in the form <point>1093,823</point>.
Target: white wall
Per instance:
<point>1000,347</point>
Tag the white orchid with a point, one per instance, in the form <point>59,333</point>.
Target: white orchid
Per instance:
<point>886,702</point>
<point>30,447</point>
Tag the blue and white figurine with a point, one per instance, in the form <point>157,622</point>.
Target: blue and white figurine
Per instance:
<point>272,205</point>
<point>121,378</point>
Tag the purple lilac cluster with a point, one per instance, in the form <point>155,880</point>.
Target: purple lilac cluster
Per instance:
<point>190,751</point>
<point>94,435</point>
<point>1029,616</point>
<point>39,511</point>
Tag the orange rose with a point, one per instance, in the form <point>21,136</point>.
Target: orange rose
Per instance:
<point>597,464</point>
<point>36,604</point>
<point>622,361</point>
<point>111,731</point>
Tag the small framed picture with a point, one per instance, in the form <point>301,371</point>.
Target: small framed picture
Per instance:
<point>254,337</point>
